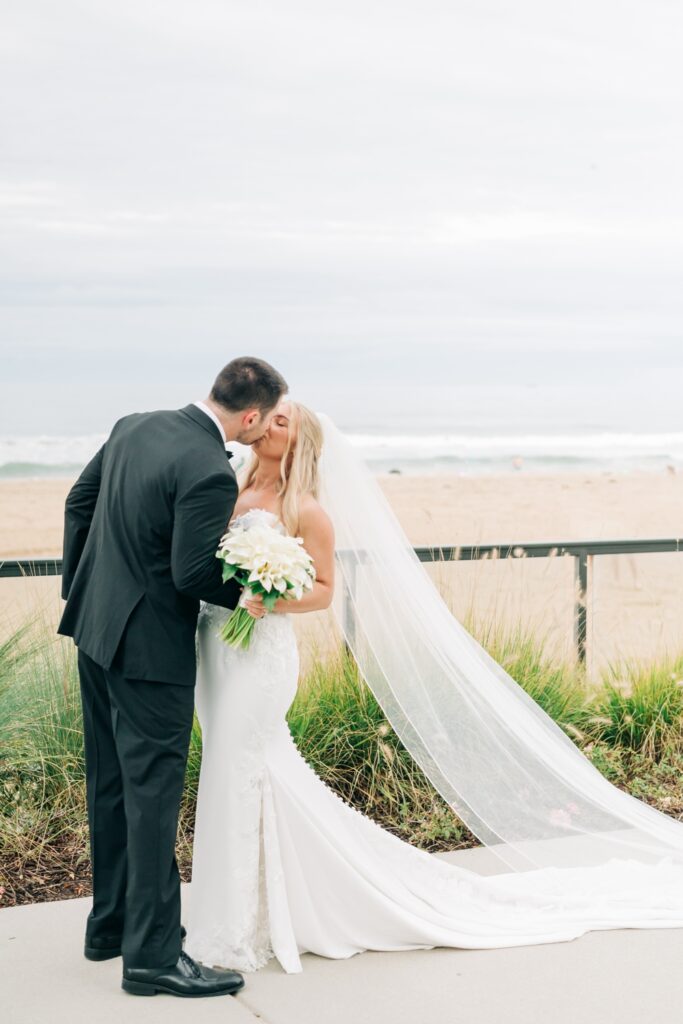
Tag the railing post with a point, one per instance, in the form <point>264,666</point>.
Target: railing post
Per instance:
<point>348,619</point>
<point>582,564</point>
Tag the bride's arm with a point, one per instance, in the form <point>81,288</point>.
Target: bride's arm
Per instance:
<point>317,532</point>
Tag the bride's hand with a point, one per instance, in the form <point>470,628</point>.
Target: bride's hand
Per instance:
<point>255,606</point>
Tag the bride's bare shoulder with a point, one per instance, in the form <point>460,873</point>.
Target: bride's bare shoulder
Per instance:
<point>313,517</point>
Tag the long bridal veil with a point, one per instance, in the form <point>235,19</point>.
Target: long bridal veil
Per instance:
<point>504,766</point>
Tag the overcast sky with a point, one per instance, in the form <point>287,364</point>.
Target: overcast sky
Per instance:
<point>364,193</point>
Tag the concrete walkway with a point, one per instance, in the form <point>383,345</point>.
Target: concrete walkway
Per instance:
<point>631,976</point>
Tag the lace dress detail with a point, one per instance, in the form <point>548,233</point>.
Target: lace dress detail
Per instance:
<point>282,865</point>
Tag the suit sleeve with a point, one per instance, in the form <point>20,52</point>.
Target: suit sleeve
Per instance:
<point>201,516</point>
<point>78,513</point>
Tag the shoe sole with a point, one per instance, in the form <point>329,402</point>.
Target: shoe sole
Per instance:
<point>143,988</point>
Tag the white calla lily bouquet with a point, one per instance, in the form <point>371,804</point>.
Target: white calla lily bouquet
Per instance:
<point>265,562</point>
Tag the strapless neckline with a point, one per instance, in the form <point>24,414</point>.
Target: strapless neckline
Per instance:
<point>257,508</point>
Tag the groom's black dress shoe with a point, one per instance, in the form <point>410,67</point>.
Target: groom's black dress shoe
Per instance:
<point>102,949</point>
<point>185,978</point>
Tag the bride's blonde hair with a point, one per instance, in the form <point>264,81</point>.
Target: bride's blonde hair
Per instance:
<point>298,465</point>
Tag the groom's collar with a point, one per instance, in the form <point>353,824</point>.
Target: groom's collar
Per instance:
<point>212,416</point>
<point>208,421</point>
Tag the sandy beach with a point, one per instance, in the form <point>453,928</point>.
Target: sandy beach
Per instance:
<point>636,606</point>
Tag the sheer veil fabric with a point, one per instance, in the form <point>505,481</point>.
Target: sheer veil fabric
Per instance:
<point>503,765</point>
<point>283,866</point>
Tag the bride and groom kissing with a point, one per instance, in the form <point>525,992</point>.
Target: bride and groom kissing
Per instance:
<point>281,864</point>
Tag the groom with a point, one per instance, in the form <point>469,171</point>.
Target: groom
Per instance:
<point>142,525</point>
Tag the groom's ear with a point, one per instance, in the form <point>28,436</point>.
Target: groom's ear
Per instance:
<point>251,418</point>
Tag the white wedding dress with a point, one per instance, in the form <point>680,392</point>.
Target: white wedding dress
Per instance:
<point>283,866</point>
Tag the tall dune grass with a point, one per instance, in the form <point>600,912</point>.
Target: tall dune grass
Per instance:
<point>640,707</point>
<point>630,725</point>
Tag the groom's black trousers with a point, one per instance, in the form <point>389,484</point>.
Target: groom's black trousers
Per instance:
<point>137,736</point>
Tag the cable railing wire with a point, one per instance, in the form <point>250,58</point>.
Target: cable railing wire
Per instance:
<point>583,553</point>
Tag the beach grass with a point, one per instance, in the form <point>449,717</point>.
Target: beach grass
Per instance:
<point>630,725</point>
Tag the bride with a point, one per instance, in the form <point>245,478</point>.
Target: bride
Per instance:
<point>283,866</point>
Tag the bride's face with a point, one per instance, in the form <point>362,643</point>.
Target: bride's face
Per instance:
<point>272,444</point>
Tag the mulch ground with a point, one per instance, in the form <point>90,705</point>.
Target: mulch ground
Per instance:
<point>61,872</point>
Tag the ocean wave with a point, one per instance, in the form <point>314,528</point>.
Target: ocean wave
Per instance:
<point>48,451</point>
<point>607,445</point>
<point>46,455</point>
<point>24,470</point>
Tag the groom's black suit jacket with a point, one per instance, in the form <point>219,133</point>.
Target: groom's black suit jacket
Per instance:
<point>142,525</point>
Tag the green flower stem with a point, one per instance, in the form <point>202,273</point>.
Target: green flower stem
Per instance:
<point>238,629</point>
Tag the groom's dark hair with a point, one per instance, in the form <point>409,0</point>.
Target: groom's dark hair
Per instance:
<point>247,383</point>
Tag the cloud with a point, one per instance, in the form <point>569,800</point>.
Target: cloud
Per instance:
<point>423,178</point>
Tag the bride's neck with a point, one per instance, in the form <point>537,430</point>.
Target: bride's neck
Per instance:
<point>268,476</point>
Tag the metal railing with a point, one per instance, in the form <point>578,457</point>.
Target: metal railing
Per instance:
<point>583,553</point>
